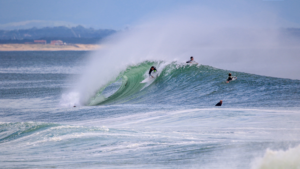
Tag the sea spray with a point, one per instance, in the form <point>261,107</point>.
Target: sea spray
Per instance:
<point>230,39</point>
<point>289,159</point>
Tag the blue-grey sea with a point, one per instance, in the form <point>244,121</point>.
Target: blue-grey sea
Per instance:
<point>171,122</point>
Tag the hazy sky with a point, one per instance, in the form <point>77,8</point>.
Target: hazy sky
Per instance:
<point>117,14</point>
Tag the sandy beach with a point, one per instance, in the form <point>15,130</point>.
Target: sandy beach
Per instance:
<point>48,47</point>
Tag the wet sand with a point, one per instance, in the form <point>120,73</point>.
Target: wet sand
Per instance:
<point>48,47</point>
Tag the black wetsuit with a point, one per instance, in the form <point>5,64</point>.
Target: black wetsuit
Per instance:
<point>229,78</point>
<point>219,104</point>
<point>189,61</point>
<point>150,71</point>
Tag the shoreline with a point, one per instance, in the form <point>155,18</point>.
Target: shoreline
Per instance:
<point>48,47</point>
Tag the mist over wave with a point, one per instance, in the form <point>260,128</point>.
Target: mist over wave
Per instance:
<point>231,39</point>
<point>279,159</point>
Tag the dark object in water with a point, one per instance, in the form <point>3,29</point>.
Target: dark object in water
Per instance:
<point>220,103</point>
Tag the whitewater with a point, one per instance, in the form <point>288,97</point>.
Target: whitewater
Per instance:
<point>170,123</point>
<point>76,109</point>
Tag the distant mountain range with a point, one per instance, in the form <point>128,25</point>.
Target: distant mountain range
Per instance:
<point>78,34</point>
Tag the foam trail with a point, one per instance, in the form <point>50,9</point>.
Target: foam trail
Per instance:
<point>229,39</point>
<point>279,159</point>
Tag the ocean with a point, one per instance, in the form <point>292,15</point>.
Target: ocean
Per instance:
<point>170,122</point>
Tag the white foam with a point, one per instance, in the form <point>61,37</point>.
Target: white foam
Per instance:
<point>289,159</point>
<point>70,99</point>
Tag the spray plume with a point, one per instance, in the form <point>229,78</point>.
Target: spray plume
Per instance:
<point>232,39</point>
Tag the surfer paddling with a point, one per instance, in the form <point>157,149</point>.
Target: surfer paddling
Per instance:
<point>229,78</point>
<point>152,69</point>
<point>220,103</point>
<point>192,61</point>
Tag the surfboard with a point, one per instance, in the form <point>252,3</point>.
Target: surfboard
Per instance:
<point>150,78</point>
<point>233,78</point>
<point>193,63</point>
<point>145,80</point>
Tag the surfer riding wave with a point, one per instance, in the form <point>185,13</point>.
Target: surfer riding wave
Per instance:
<point>152,69</point>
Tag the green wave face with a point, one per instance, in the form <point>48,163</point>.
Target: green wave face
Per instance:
<point>124,86</point>
<point>200,85</point>
<point>173,80</point>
